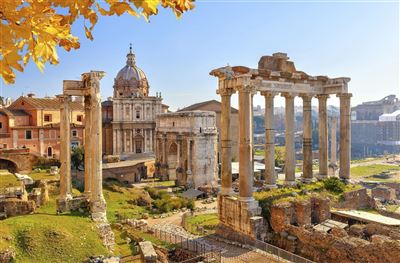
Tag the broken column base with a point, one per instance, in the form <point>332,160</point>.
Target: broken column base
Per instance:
<point>240,220</point>
<point>98,210</point>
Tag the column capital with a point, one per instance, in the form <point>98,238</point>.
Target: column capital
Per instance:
<point>269,94</point>
<point>344,95</point>
<point>322,96</point>
<point>306,96</point>
<point>225,91</point>
<point>288,95</point>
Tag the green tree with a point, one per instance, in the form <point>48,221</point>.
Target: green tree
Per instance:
<point>77,156</point>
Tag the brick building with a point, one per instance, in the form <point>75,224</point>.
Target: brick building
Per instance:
<point>34,123</point>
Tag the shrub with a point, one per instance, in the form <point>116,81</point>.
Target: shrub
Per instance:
<point>334,185</point>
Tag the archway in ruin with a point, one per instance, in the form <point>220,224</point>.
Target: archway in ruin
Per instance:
<point>8,165</point>
<point>172,158</point>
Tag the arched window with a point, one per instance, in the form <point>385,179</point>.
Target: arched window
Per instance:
<point>49,152</point>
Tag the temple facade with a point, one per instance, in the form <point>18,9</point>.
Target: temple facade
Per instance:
<point>131,129</point>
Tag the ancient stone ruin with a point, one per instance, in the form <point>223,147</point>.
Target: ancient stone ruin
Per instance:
<point>89,88</point>
<point>186,148</point>
<point>275,75</point>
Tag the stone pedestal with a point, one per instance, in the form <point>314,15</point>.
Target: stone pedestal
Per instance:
<point>240,219</point>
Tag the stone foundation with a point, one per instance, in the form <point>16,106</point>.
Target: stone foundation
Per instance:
<point>15,207</point>
<point>74,204</point>
<point>240,220</point>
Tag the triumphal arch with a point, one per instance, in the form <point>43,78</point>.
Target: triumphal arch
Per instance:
<point>275,75</point>
<point>89,89</point>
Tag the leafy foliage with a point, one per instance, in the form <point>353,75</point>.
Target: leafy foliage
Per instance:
<point>334,185</point>
<point>33,29</point>
<point>77,156</point>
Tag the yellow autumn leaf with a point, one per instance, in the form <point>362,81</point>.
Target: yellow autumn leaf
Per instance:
<point>34,28</point>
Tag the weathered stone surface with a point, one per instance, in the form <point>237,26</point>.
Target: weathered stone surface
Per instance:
<point>14,207</point>
<point>281,215</point>
<point>147,252</point>
<point>106,235</point>
<point>384,193</point>
<point>323,247</point>
<point>241,217</point>
<point>188,143</point>
<point>320,209</point>
<point>356,199</point>
<point>302,213</point>
<point>7,256</point>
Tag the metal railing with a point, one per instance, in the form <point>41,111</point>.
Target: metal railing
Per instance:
<point>202,250</point>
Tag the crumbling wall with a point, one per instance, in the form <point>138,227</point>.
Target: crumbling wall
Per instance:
<point>356,199</point>
<point>14,207</point>
<point>324,247</point>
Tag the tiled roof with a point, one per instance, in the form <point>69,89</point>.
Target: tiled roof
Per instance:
<point>47,103</point>
<point>12,112</point>
<point>19,112</point>
<point>200,104</point>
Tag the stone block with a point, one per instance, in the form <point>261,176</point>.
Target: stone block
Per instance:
<point>147,252</point>
<point>384,193</point>
<point>15,207</point>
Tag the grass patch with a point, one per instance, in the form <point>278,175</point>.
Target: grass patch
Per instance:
<point>51,238</point>
<point>8,179</point>
<point>207,221</point>
<point>369,170</point>
<point>120,202</point>
<point>43,174</point>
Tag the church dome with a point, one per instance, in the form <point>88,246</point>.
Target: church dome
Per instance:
<point>131,71</point>
<point>130,80</point>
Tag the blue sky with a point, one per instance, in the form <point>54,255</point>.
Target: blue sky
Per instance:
<point>355,39</point>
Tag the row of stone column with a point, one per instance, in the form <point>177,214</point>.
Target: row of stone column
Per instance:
<point>246,147</point>
<point>93,151</point>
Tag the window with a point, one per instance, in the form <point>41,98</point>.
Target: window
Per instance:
<point>47,117</point>
<point>79,118</point>
<point>74,133</point>
<point>138,114</point>
<point>28,135</point>
<point>1,125</point>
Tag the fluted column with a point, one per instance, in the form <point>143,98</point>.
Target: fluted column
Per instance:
<point>290,156</point>
<point>323,135</point>
<point>270,178</point>
<point>246,149</point>
<point>65,148</point>
<point>88,155</point>
<point>345,135</point>
<point>226,142</point>
<point>307,138</point>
